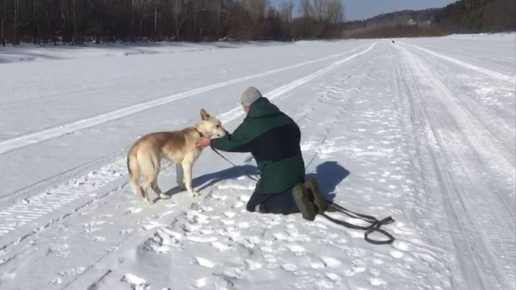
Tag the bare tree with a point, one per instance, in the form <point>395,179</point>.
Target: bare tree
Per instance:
<point>306,8</point>
<point>334,11</point>
<point>286,10</point>
<point>16,18</point>
<point>4,7</point>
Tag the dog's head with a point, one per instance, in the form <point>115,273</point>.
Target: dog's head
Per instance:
<point>211,126</point>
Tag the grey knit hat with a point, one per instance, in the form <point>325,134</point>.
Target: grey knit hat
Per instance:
<point>249,96</point>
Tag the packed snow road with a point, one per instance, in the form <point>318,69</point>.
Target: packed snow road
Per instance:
<point>424,135</point>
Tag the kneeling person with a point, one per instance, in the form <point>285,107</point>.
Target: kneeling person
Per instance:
<point>273,139</point>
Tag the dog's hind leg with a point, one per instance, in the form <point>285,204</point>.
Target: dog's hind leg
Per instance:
<point>150,167</point>
<point>157,190</point>
<point>144,189</point>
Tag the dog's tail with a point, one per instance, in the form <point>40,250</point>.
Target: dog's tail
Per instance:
<point>134,169</point>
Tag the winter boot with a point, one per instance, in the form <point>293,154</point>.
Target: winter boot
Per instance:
<point>305,206</point>
<point>318,196</point>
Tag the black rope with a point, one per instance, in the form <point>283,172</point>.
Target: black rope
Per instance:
<point>241,170</point>
<point>375,223</point>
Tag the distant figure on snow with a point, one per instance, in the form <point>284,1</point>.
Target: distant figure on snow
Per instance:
<point>273,139</point>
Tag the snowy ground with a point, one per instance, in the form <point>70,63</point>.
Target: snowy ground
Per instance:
<point>422,130</point>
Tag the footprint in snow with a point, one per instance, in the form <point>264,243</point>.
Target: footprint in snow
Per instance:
<point>135,281</point>
<point>332,276</point>
<point>221,197</point>
<point>90,230</point>
<point>252,265</point>
<point>359,266</point>
<point>200,282</point>
<point>202,239</point>
<point>103,216</point>
<point>402,246</point>
<point>126,231</point>
<point>94,223</point>
<point>397,254</point>
<point>220,246</point>
<point>206,231</point>
<point>269,259</point>
<point>229,214</point>
<point>133,210</point>
<point>323,284</point>
<point>295,248</point>
<point>151,225</point>
<point>289,267</point>
<point>56,281</point>
<point>244,225</point>
<point>330,262</point>
<point>204,262</point>
<point>62,254</point>
<point>98,239</point>
<point>377,281</point>
<point>72,272</point>
<point>377,261</point>
<point>232,272</point>
<point>206,209</point>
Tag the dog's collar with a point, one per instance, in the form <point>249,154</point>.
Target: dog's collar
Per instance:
<point>201,134</point>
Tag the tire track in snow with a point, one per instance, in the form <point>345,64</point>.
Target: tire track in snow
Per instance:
<point>492,123</point>
<point>485,71</point>
<point>30,211</point>
<point>70,128</point>
<point>483,226</point>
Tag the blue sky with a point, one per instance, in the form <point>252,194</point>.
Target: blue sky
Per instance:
<point>361,9</point>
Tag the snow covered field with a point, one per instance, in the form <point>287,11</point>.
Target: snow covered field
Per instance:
<point>422,130</point>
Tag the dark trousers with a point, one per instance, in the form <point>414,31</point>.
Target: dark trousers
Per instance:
<point>279,203</point>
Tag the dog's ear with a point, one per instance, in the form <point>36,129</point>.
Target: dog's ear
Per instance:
<point>204,115</point>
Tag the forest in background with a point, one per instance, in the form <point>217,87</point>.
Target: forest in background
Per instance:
<point>80,21</point>
<point>85,21</point>
<point>464,16</point>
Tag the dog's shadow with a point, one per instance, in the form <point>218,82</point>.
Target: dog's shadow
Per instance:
<point>329,174</point>
<point>211,179</point>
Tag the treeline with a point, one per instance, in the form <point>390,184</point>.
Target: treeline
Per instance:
<point>474,16</point>
<point>403,17</point>
<point>464,16</point>
<point>393,31</point>
<point>79,21</point>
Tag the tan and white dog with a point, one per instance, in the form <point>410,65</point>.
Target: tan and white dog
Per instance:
<point>177,146</point>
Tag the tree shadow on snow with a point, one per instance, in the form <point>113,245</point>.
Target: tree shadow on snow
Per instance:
<point>329,174</point>
<point>211,179</point>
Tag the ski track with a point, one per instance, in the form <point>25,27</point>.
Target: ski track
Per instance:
<point>28,212</point>
<point>387,131</point>
<point>456,139</point>
<point>62,130</point>
<point>229,248</point>
<point>61,195</point>
<point>493,74</point>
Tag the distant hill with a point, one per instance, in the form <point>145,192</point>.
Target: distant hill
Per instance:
<point>404,17</point>
<point>464,16</point>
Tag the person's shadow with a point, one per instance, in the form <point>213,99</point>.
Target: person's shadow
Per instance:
<point>329,174</point>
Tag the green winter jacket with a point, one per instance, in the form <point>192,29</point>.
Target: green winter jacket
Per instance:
<point>273,139</point>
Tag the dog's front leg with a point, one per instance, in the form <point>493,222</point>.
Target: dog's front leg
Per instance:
<point>187,171</point>
<point>180,176</point>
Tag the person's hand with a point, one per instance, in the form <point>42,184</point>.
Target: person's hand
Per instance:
<point>202,142</point>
